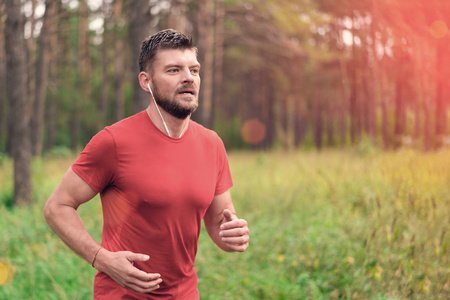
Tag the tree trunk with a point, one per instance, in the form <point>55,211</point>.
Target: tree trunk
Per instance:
<point>383,82</point>
<point>218,58</point>
<point>206,56</point>
<point>419,80</point>
<point>355,112</point>
<point>17,73</point>
<point>83,73</point>
<point>284,116</point>
<point>50,115</point>
<point>138,14</point>
<point>426,127</point>
<point>375,65</point>
<point>103,101</point>
<point>299,122</point>
<point>369,103</point>
<point>42,73</point>
<point>3,99</point>
<point>330,121</point>
<point>343,108</point>
<point>318,119</point>
<point>177,18</point>
<point>119,53</point>
<point>84,67</point>
<point>54,73</point>
<point>271,118</point>
<point>440,112</point>
<point>400,110</point>
<point>30,43</point>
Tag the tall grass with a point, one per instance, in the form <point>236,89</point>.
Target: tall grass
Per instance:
<point>329,225</point>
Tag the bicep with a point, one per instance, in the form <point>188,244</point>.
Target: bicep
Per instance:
<point>71,191</point>
<point>214,214</point>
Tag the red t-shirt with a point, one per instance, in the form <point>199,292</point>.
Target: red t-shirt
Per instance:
<point>155,191</point>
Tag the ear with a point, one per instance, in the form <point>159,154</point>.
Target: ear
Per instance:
<point>144,79</point>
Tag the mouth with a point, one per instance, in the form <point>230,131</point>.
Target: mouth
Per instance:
<point>187,92</point>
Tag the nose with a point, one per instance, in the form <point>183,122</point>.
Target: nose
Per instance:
<point>187,76</point>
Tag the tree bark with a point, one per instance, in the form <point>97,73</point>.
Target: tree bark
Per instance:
<point>330,121</point>
<point>54,74</point>
<point>355,113</point>
<point>18,98</point>
<point>30,43</point>
<point>440,112</point>
<point>119,97</point>
<point>299,122</point>
<point>42,74</point>
<point>103,101</point>
<point>218,57</point>
<point>384,115</point>
<point>84,67</point>
<point>318,118</point>
<point>138,14</point>
<point>3,99</point>
<point>205,31</point>
<point>177,18</point>
<point>82,82</point>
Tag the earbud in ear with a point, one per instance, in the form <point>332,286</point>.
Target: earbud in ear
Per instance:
<point>149,89</point>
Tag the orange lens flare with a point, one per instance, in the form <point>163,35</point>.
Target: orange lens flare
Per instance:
<point>253,131</point>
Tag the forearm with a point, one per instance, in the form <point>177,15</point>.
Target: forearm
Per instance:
<point>213,232</point>
<point>225,229</point>
<point>213,229</point>
<point>66,223</point>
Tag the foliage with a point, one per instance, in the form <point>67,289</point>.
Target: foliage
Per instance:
<point>324,225</point>
<point>324,62</point>
<point>229,132</point>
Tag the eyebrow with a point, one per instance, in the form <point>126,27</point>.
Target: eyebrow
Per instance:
<point>180,66</point>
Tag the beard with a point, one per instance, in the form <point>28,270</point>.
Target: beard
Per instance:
<point>173,107</point>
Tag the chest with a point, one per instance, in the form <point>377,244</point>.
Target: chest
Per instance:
<point>161,175</point>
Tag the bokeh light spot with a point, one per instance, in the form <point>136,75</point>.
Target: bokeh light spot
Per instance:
<point>6,271</point>
<point>3,273</point>
<point>438,29</point>
<point>253,131</point>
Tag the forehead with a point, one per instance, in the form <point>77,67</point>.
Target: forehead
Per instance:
<point>166,57</point>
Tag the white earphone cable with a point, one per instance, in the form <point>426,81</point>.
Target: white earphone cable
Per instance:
<point>164,123</point>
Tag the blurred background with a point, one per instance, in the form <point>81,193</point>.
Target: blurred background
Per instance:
<point>334,115</point>
<point>283,74</point>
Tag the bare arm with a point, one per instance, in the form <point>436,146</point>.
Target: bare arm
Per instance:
<point>225,229</point>
<point>61,214</point>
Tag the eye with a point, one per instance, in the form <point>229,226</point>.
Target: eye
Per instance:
<point>195,71</point>
<point>174,70</point>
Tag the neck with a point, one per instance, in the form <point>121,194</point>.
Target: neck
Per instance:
<point>167,123</point>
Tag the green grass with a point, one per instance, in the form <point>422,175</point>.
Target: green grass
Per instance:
<point>329,225</point>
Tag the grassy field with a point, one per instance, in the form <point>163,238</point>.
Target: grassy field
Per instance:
<point>329,225</point>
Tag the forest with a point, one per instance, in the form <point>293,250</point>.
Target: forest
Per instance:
<point>333,112</point>
<point>276,74</point>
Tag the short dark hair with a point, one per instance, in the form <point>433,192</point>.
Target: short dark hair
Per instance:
<point>165,39</point>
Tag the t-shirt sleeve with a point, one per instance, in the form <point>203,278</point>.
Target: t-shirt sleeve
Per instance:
<point>224,179</point>
<point>97,162</point>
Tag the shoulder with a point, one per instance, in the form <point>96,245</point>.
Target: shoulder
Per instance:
<point>128,123</point>
<point>202,132</point>
<point>128,128</point>
<point>208,138</point>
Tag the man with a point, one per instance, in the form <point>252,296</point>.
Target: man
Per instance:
<point>158,174</point>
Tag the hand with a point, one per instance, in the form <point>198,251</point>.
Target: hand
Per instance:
<point>119,266</point>
<point>234,232</point>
